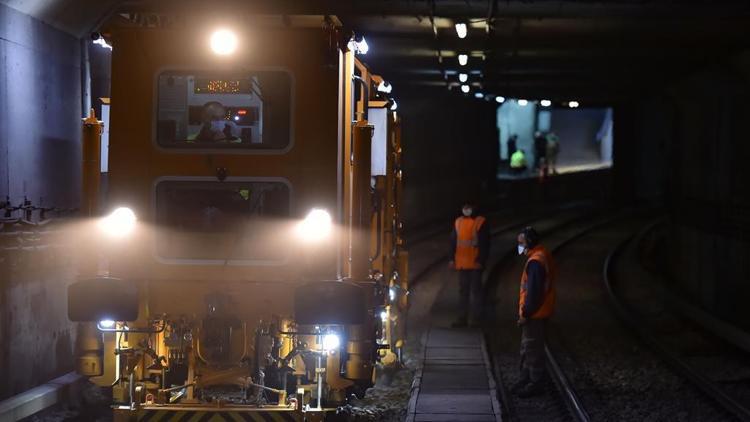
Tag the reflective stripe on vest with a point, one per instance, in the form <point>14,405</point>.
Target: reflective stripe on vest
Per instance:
<point>467,242</point>
<point>541,255</point>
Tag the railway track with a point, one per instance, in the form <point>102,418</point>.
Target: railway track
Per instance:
<point>701,349</point>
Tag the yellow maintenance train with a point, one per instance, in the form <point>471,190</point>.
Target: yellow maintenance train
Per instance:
<point>248,262</point>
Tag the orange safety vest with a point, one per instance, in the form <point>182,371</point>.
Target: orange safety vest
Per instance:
<point>467,242</point>
<point>540,254</point>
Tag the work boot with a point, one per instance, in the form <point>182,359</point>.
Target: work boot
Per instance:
<point>530,390</point>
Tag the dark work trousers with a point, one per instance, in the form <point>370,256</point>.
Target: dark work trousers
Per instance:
<point>532,350</point>
<point>470,292</point>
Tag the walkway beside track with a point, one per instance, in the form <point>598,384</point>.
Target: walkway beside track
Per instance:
<point>454,382</point>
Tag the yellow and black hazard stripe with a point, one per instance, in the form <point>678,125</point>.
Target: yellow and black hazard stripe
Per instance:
<point>218,416</point>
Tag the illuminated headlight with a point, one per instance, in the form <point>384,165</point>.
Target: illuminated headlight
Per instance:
<point>392,293</point>
<point>223,42</point>
<point>383,316</point>
<point>316,226</point>
<point>106,324</point>
<point>331,342</point>
<point>120,223</point>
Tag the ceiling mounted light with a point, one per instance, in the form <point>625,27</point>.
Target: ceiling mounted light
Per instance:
<point>545,103</point>
<point>462,77</point>
<point>500,99</point>
<point>463,59</point>
<point>465,89</point>
<point>461,30</point>
<point>223,42</point>
<point>573,104</point>
<point>523,103</point>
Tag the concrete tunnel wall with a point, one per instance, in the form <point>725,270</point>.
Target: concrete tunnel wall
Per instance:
<point>40,103</point>
<point>690,145</point>
<point>450,154</point>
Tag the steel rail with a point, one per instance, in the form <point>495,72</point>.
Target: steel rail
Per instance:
<point>700,381</point>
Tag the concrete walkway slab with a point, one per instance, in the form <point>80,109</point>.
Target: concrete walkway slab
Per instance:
<point>454,382</point>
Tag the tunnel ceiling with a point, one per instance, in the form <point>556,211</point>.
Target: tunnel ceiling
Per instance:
<point>588,50</point>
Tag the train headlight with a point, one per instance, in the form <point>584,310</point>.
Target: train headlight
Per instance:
<point>106,324</point>
<point>223,42</point>
<point>331,342</point>
<point>120,223</point>
<point>316,226</point>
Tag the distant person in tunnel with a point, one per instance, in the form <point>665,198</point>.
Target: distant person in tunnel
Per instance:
<point>518,162</point>
<point>553,149</point>
<point>469,249</point>
<point>512,144</point>
<point>535,306</point>
<point>540,148</point>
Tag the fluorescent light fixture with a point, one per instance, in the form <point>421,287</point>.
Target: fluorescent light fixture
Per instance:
<point>461,30</point>
<point>500,99</point>
<point>462,77</point>
<point>478,95</point>
<point>546,103</point>
<point>523,103</point>
<point>223,42</point>
<point>385,87</point>
<point>463,59</point>
<point>573,104</point>
<point>465,89</point>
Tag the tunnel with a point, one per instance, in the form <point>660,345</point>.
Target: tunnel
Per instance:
<point>396,210</point>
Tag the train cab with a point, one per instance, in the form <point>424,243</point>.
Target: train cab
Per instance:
<point>248,259</point>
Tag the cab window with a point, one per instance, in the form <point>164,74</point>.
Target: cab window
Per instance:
<point>222,221</point>
<point>225,111</point>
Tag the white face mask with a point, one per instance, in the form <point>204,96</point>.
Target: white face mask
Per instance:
<point>521,249</point>
<point>467,212</point>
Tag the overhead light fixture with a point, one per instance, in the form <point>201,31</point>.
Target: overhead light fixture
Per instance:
<point>500,99</point>
<point>478,95</point>
<point>573,104</point>
<point>463,77</point>
<point>465,89</point>
<point>523,103</point>
<point>223,42</point>
<point>545,103</point>
<point>461,30</point>
<point>385,87</point>
<point>463,59</point>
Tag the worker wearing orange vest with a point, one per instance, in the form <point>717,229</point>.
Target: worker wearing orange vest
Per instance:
<point>470,244</point>
<point>535,305</point>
